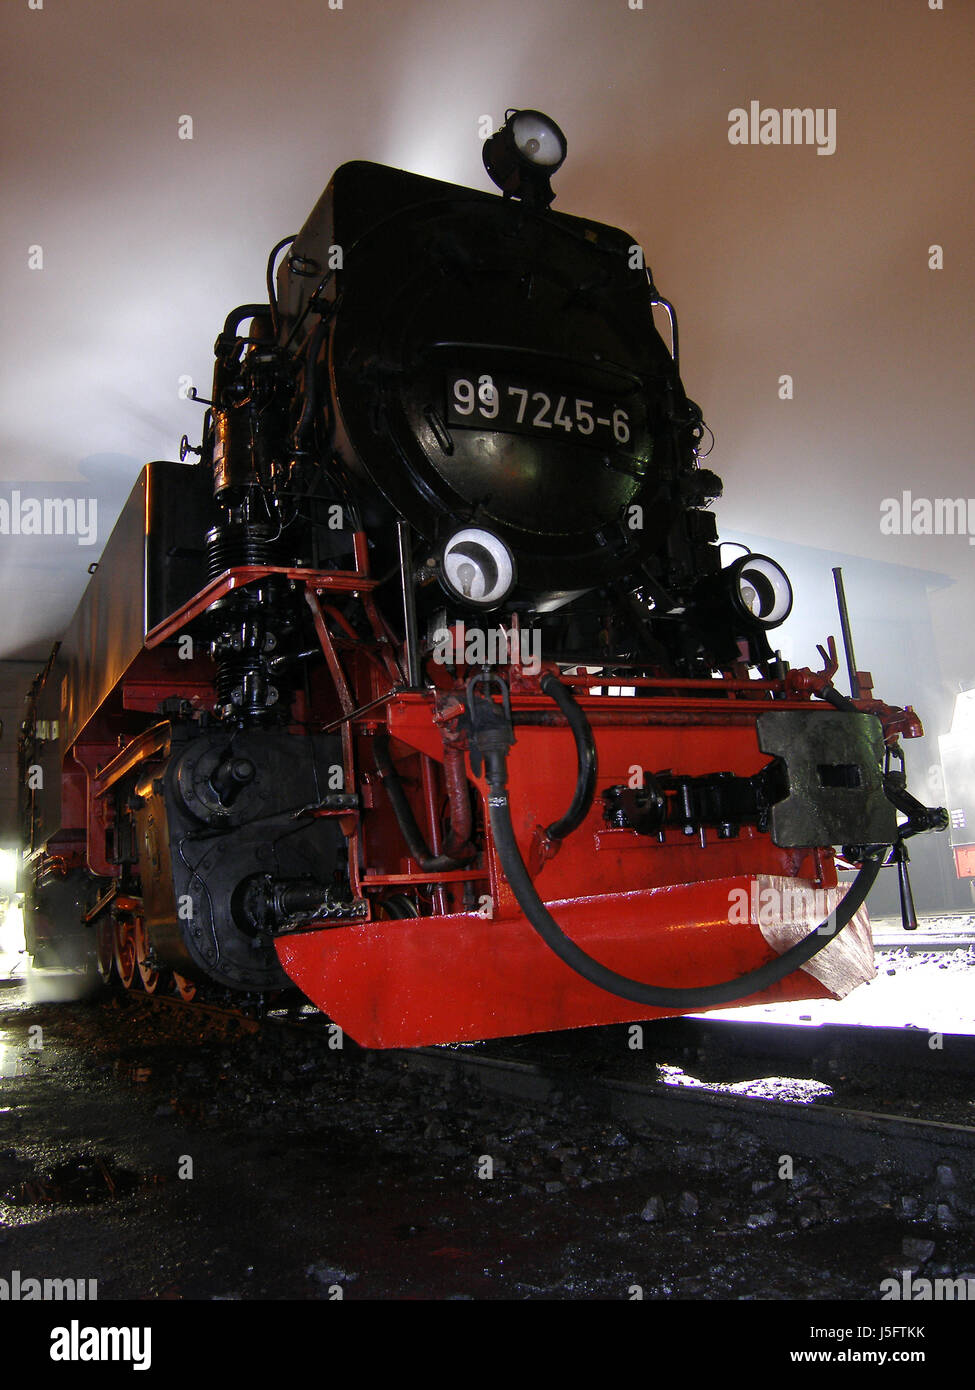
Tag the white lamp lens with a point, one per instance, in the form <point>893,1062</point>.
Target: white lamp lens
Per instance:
<point>478,567</point>
<point>764,589</point>
<point>536,140</point>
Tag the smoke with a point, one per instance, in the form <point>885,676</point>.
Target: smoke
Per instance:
<point>50,986</point>
<point>46,986</point>
<point>13,958</point>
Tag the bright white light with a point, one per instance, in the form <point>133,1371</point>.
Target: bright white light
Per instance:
<point>536,140</point>
<point>12,945</point>
<point>9,860</point>
<point>765,591</point>
<point>478,566</point>
<point>800,1090</point>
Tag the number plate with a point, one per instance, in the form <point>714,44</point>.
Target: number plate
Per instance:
<point>503,403</point>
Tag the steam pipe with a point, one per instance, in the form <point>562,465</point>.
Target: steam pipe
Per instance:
<point>415,843</point>
<point>851,663</point>
<point>409,603</point>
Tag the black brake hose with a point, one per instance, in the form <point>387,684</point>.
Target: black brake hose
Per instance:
<point>415,843</point>
<point>656,996</point>
<point>586,754</point>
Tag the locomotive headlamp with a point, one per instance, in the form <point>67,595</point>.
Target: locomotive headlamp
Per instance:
<point>477,568</point>
<point>538,139</point>
<point>760,590</point>
<point>523,155</point>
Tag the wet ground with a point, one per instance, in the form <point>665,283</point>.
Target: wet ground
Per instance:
<point>167,1161</point>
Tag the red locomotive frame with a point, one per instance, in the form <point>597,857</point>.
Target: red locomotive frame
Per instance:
<point>651,908</point>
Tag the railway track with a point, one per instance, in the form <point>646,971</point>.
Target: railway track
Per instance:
<point>948,932</point>
<point>683,1079</point>
<point>917,943</point>
<point>247,1019</point>
<point>599,1070</point>
<point>869,1139</point>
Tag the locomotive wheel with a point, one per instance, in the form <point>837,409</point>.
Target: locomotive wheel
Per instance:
<point>185,989</point>
<point>148,974</point>
<point>125,951</point>
<point>398,906</point>
<point>105,951</point>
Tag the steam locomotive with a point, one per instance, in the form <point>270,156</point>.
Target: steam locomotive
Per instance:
<point>424,689</point>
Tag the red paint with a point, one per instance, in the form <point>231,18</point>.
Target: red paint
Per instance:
<point>654,910</point>
<point>427,980</point>
<point>965,861</point>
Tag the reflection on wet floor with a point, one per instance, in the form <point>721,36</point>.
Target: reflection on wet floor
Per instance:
<point>11,1062</point>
